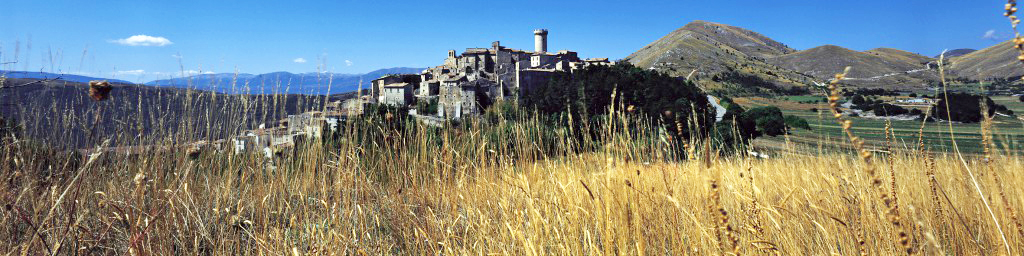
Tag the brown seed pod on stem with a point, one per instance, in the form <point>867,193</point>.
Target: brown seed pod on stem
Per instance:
<point>99,90</point>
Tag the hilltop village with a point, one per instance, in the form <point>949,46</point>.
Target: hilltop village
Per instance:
<point>455,88</point>
<point>495,73</point>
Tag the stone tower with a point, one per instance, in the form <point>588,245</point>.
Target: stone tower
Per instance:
<point>540,40</point>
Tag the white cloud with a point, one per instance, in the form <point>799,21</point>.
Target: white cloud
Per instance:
<point>348,63</point>
<point>196,72</point>
<point>143,40</point>
<point>137,72</point>
<point>299,60</point>
<point>990,34</point>
<point>176,56</point>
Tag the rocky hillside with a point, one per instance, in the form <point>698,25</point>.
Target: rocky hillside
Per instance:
<point>882,67</point>
<point>956,52</point>
<point>721,54</point>
<point>733,59</point>
<point>900,55</point>
<point>998,61</point>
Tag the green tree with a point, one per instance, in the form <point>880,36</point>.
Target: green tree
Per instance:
<point>427,107</point>
<point>886,109</point>
<point>965,107</point>
<point>586,93</point>
<point>858,100</point>
<point>796,122</point>
<point>765,121</point>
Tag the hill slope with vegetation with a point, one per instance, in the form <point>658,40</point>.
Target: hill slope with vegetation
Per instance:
<point>710,49</point>
<point>995,62</point>
<point>882,67</point>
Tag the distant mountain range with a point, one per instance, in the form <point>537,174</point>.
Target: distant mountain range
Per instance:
<point>64,77</point>
<point>280,82</point>
<point>242,83</point>
<point>716,54</point>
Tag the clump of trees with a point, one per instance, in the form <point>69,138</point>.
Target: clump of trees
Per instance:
<point>739,126</point>
<point>966,108</point>
<point>797,122</point>
<point>585,95</point>
<point>877,107</point>
<point>886,109</point>
<point>750,84</point>
<point>672,104</point>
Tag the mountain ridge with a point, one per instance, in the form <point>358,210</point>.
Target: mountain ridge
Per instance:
<point>885,64</point>
<point>56,76</point>
<point>717,50</point>
<point>994,62</point>
<point>719,57</point>
<point>280,82</point>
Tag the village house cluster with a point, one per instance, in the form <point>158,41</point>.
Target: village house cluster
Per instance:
<point>494,73</point>
<point>457,87</point>
<point>291,130</point>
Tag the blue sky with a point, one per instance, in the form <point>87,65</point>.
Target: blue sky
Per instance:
<point>89,38</point>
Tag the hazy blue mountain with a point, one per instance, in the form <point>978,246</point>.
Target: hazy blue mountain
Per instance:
<point>65,77</point>
<point>280,82</point>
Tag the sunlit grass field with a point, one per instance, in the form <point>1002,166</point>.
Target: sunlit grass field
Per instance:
<point>515,185</point>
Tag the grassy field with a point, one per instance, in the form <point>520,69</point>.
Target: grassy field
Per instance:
<point>513,186</point>
<point>1008,132</point>
<point>805,98</point>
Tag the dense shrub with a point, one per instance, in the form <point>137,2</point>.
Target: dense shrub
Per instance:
<point>765,121</point>
<point>858,100</point>
<point>916,112</point>
<point>965,107</point>
<point>427,107</point>
<point>586,94</point>
<point>886,109</point>
<point>797,122</point>
<point>749,84</point>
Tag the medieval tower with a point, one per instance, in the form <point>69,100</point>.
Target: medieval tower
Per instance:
<point>540,40</point>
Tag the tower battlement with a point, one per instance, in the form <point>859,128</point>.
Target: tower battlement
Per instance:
<point>540,40</point>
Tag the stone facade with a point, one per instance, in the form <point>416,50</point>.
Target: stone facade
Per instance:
<point>479,75</point>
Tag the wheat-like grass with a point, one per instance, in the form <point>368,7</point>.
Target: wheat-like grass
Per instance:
<point>865,155</point>
<point>517,185</point>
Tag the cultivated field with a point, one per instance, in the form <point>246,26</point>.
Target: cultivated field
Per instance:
<point>826,134</point>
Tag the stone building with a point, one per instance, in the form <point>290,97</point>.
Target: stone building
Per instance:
<point>480,76</point>
<point>395,90</point>
<point>397,94</point>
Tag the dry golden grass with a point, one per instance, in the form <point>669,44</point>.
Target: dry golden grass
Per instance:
<point>500,185</point>
<point>465,196</point>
